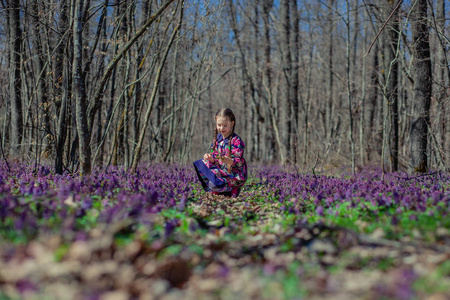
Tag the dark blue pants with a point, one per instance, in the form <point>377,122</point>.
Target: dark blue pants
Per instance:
<point>205,175</point>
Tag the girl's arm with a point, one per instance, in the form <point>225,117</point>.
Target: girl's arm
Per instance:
<point>237,151</point>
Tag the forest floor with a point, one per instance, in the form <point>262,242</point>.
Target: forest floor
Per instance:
<point>156,235</point>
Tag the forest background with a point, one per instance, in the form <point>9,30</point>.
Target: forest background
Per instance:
<point>88,83</point>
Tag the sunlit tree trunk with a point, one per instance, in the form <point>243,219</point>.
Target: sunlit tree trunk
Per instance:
<point>295,79</point>
<point>443,82</point>
<point>268,82</point>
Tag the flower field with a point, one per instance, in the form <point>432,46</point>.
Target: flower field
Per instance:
<point>155,234</point>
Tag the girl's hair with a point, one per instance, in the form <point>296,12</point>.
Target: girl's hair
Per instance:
<point>223,112</point>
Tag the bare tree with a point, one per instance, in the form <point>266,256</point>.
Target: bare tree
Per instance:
<point>15,80</point>
<point>422,87</point>
<point>62,86</point>
<point>41,71</point>
<point>286,101</point>
<point>443,75</point>
<point>79,89</point>
<point>391,67</point>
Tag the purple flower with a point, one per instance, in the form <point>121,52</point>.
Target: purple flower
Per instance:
<point>170,227</point>
<point>319,210</point>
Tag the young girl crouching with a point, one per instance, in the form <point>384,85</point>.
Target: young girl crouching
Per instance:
<point>224,170</point>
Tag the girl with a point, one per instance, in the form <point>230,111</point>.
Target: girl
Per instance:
<point>224,170</point>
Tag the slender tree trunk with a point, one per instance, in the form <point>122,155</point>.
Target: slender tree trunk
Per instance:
<point>255,121</point>
<point>41,75</point>
<point>121,19</point>
<point>373,100</point>
<point>15,80</point>
<point>330,90</point>
<point>172,133</point>
<point>363,103</point>
<point>100,137</point>
<point>391,84</point>
<point>422,88</point>
<point>80,90</point>
<point>276,138</point>
<point>137,99</point>
<point>62,126</point>
<point>59,80</point>
<point>286,115</point>
<point>295,77</point>
<point>349,95</point>
<point>443,81</point>
<point>306,108</point>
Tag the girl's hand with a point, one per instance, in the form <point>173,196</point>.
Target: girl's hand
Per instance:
<point>208,157</point>
<point>226,160</point>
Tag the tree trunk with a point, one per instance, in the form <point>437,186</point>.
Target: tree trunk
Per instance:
<point>330,90</point>
<point>373,104</point>
<point>391,83</point>
<point>100,137</point>
<point>268,83</point>
<point>295,78</point>
<point>41,77</point>
<point>362,138</point>
<point>286,101</point>
<point>59,80</point>
<point>122,20</point>
<point>443,77</point>
<point>349,94</point>
<point>15,81</point>
<point>80,91</point>
<point>422,88</point>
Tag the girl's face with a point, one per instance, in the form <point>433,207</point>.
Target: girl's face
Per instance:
<point>224,126</point>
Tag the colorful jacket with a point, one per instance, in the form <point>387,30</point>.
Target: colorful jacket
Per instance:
<point>237,176</point>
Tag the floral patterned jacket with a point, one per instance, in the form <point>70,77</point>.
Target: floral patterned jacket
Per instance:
<point>237,176</point>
